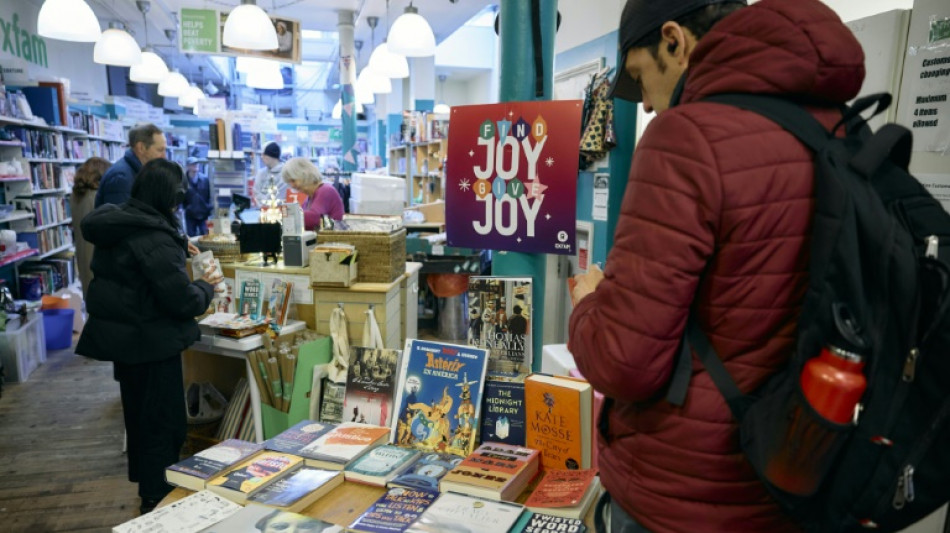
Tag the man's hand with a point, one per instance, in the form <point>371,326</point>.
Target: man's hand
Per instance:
<point>192,249</point>
<point>586,283</point>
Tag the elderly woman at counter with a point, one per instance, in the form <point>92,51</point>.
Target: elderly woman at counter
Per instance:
<point>322,198</point>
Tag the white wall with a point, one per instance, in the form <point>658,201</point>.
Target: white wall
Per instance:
<point>468,47</point>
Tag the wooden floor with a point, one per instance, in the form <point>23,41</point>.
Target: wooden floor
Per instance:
<point>61,461</point>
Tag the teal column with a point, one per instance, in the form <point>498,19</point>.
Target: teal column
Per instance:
<point>347,81</point>
<point>517,85</point>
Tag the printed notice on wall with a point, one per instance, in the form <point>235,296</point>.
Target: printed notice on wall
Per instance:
<point>925,92</point>
<point>599,209</point>
<point>939,187</point>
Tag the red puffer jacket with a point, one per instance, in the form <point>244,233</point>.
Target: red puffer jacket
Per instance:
<point>718,206</point>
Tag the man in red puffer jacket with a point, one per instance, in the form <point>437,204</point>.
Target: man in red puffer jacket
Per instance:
<point>716,215</point>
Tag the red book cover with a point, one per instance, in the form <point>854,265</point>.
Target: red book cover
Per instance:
<point>561,488</point>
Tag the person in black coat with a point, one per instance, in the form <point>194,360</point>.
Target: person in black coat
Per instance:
<point>197,199</point>
<point>141,306</point>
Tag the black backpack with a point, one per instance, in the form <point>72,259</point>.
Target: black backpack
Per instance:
<point>879,270</point>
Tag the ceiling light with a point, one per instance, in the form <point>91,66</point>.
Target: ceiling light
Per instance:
<point>247,64</point>
<point>370,80</point>
<point>387,63</point>
<point>268,77</point>
<point>249,27</point>
<point>116,47</point>
<point>191,97</point>
<point>152,69</point>
<point>173,86</point>
<point>411,35</point>
<point>68,20</point>
<point>338,109</point>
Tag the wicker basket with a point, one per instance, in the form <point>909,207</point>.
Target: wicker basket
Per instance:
<point>382,256</point>
<point>224,251</point>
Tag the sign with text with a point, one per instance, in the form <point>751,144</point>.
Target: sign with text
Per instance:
<point>199,31</point>
<point>511,176</point>
<point>202,32</point>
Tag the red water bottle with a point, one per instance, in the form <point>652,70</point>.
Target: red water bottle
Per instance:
<point>833,383</point>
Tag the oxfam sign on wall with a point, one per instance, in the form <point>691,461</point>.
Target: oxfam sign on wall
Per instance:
<point>511,176</point>
<point>18,41</point>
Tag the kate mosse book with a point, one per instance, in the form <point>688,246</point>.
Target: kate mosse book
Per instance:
<point>394,511</point>
<point>370,385</point>
<point>298,490</point>
<point>193,472</point>
<point>559,419</point>
<point>379,465</point>
<point>532,522</point>
<point>259,518</point>
<point>343,444</point>
<point>500,312</point>
<point>252,475</point>
<point>464,514</point>
<point>503,412</point>
<point>565,493</point>
<point>190,514</point>
<point>426,471</point>
<point>296,437</point>
<point>495,471</point>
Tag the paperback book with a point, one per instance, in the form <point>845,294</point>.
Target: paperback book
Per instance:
<point>500,310</point>
<point>259,518</point>
<point>426,471</point>
<point>464,514</point>
<point>370,383</point>
<point>250,305</point>
<point>188,515</point>
<point>395,511</point>
<point>379,465</point>
<point>565,493</point>
<point>495,471</point>
<point>544,523</point>
<point>559,412</point>
<point>193,472</point>
<point>503,412</point>
<point>298,490</point>
<point>277,305</point>
<point>252,475</point>
<point>343,444</point>
<point>439,397</point>
<point>298,436</point>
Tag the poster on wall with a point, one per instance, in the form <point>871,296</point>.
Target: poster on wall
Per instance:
<point>202,32</point>
<point>511,176</point>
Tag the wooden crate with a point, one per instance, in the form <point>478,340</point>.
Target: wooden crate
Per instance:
<point>387,306</point>
<point>382,256</point>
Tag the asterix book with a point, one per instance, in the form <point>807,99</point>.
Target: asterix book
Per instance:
<point>426,471</point>
<point>439,397</point>
<point>193,472</point>
<point>394,511</point>
<point>370,383</point>
<point>499,313</point>
<point>495,471</point>
<point>503,412</point>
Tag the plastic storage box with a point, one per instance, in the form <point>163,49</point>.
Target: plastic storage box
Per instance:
<point>373,194</point>
<point>23,347</point>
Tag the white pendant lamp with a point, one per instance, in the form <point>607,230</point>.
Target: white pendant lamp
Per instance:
<point>247,64</point>
<point>387,63</point>
<point>191,97</point>
<point>173,86</point>
<point>411,35</point>
<point>266,77</point>
<point>116,47</point>
<point>442,108</point>
<point>249,27</point>
<point>369,80</point>
<point>68,20</point>
<point>152,69</point>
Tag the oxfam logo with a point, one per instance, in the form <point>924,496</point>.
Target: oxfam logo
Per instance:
<point>19,42</point>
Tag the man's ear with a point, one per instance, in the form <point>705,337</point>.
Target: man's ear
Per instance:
<point>677,41</point>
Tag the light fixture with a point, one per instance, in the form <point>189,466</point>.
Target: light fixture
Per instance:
<point>116,47</point>
<point>267,76</point>
<point>191,97</point>
<point>337,112</point>
<point>173,86</point>
<point>442,108</point>
<point>384,62</point>
<point>411,35</point>
<point>247,64</point>
<point>249,27</point>
<point>370,81</point>
<point>68,20</point>
<point>152,68</point>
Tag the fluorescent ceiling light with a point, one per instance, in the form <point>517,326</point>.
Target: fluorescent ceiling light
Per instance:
<point>387,63</point>
<point>411,35</point>
<point>249,27</point>
<point>173,86</point>
<point>116,47</point>
<point>152,69</point>
<point>68,20</point>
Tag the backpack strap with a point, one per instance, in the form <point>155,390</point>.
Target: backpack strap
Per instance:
<point>891,142</point>
<point>789,115</point>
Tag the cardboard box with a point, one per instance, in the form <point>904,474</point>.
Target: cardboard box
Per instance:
<point>333,265</point>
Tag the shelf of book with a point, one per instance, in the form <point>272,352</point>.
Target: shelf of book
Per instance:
<point>17,257</point>
<point>52,252</point>
<point>51,225</point>
<point>17,215</point>
<point>41,192</point>
<point>4,179</point>
<point>12,143</point>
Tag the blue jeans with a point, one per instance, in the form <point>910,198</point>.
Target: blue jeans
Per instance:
<point>620,521</point>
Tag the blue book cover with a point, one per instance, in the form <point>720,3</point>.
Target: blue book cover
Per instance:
<point>426,472</point>
<point>503,413</point>
<point>289,490</point>
<point>297,436</point>
<point>395,511</point>
<point>439,397</point>
<point>378,465</point>
<point>193,471</point>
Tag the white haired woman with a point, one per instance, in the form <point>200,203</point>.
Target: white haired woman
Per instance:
<point>322,198</point>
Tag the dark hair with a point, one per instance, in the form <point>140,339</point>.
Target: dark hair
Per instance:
<point>88,175</point>
<point>698,22</point>
<point>143,133</point>
<point>161,184</point>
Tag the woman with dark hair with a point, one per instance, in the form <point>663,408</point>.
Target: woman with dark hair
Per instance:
<point>81,203</point>
<point>141,308</point>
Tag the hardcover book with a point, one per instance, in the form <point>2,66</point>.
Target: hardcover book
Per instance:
<point>296,437</point>
<point>500,310</point>
<point>395,511</point>
<point>503,412</point>
<point>298,490</point>
<point>190,514</point>
<point>193,472</point>
<point>250,305</point>
<point>252,475</point>
<point>496,471</point>
<point>259,518</point>
<point>439,397</point>
<point>343,444</point>
<point>426,471</point>
<point>565,493</point>
<point>370,384</point>
<point>543,523</point>
<point>464,514</point>
<point>559,413</point>
<point>380,465</point>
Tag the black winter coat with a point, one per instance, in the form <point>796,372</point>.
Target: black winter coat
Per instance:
<point>141,302</point>
<point>198,199</point>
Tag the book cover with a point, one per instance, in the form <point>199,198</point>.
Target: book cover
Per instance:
<point>464,514</point>
<point>253,474</point>
<point>298,490</point>
<point>190,514</point>
<point>426,471</point>
<point>192,472</point>
<point>296,437</point>
<point>316,389</point>
<point>251,299</point>
<point>439,397</point>
<point>500,310</point>
<point>260,518</point>
<point>331,402</point>
<point>344,443</point>
<point>379,465</point>
<point>495,470</point>
<point>277,305</point>
<point>394,511</point>
<point>541,523</point>
<point>565,493</point>
<point>559,416</point>
<point>370,384</point>
<point>503,412</point>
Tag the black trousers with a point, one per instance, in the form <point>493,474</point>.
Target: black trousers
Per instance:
<point>153,405</point>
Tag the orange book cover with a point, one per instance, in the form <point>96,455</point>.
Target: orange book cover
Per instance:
<point>561,488</point>
<point>355,435</point>
<point>222,144</point>
<point>558,420</point>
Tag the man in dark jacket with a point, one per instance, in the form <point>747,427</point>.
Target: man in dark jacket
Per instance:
<point>146,142</point>
<point>197,199</point>
<point>715,217</point>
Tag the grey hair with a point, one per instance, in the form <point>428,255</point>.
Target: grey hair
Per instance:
<point>301,170</point>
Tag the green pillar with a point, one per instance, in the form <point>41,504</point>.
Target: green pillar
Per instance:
<point>518,85</point>
<point>345,27</point>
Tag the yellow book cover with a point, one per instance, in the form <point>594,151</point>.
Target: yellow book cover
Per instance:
<point>253,474</point>
<point>558,412</point>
